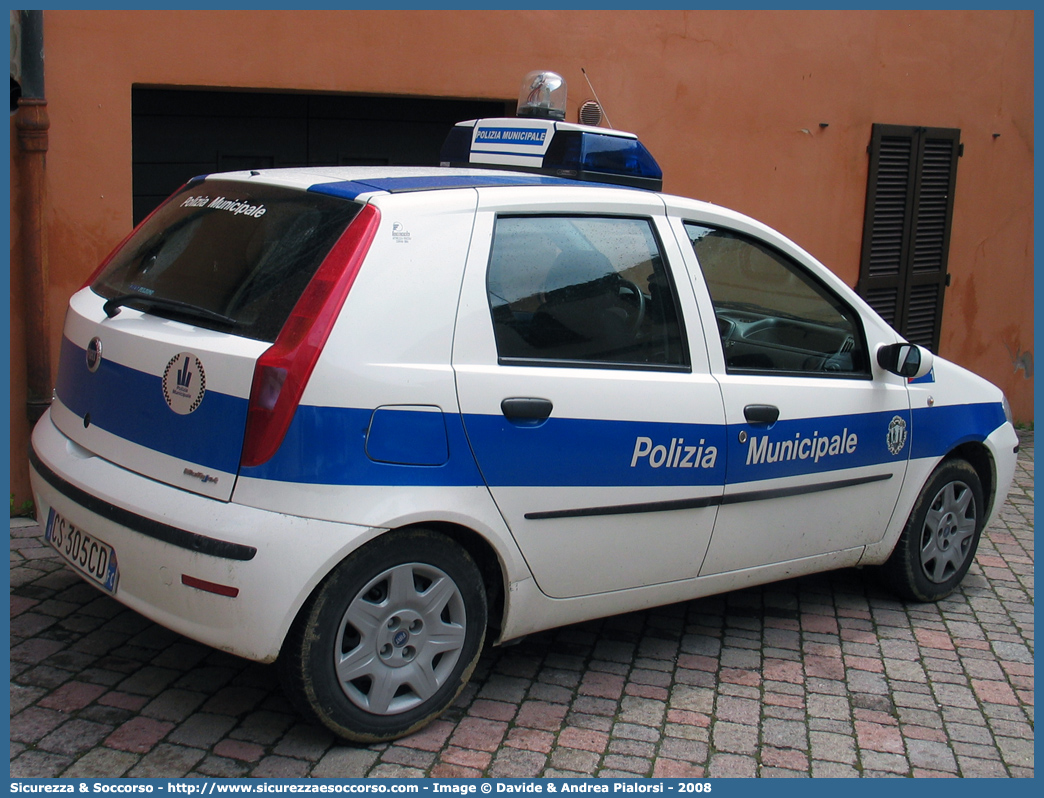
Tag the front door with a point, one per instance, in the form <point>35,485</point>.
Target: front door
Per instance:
<point>818,447</point>
<point>594,420</point>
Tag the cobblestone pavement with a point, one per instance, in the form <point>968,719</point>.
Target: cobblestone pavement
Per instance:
<point>819,676</point>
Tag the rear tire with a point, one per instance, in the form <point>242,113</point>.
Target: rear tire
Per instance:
<point>940,539</point>
<point>389,639</point>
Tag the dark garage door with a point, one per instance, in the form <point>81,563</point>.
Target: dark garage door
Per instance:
<point>179,134</point>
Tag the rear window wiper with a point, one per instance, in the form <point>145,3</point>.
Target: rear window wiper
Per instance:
<point>112,307</point>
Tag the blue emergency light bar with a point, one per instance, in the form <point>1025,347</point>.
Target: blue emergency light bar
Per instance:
<point>551,147</point>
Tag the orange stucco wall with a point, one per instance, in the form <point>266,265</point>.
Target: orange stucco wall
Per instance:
<point>730,103</point>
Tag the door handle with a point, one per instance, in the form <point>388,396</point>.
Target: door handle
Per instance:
<point>761,414</point>
<point>526,409</point>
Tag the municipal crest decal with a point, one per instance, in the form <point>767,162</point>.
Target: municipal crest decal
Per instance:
<point>896,435</point>
<point>184,383</point>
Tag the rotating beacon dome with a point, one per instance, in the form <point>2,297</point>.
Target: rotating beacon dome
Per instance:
<point>542,96</point>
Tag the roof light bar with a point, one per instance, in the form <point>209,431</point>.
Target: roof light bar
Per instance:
<point>579,152</point>
<point>539,140</point>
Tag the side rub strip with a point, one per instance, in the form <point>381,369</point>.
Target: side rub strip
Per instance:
<point>709,501</point>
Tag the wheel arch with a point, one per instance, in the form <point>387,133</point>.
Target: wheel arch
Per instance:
<point>490,564</point>
<point>486,558</point>
<point>327,628</point>
<point>930,559</point>
<point>978,456</point>
<point>973,452</point>
<point>481,550</point>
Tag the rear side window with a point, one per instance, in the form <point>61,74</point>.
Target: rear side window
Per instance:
<point>583,291</point>
<point>226,255</point>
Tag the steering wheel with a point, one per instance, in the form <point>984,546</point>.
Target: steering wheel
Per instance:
<point>833,363</point>
<point>830,362</point>
<point>639,315</point>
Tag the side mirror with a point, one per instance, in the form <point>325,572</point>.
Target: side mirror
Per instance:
<point>906,360</point>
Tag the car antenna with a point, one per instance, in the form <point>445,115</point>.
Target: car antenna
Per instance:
<point>596,99</point>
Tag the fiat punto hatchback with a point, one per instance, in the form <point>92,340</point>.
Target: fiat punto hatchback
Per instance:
<point>359,420</point>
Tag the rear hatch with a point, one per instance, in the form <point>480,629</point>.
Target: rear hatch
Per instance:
<point>159,352</point>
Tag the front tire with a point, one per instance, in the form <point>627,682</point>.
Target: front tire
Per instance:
<point>940,539</point>
<point>389,639</point>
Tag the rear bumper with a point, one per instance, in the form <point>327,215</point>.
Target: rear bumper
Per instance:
<point>161,534</point>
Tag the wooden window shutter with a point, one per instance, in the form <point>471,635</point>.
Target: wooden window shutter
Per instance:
<point>906,230</point>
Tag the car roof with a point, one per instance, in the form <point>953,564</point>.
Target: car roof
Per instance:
<point>365,182</point>
<point>353,182</point>
<point>362,183</point>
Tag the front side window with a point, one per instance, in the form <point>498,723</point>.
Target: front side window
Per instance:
<point>585,291</point>
<point>772,315</point>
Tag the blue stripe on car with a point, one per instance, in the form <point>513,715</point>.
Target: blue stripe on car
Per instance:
<point>328,445</point>
<point>211,436</point>
<point>813,445</point>
<point>940,429</point>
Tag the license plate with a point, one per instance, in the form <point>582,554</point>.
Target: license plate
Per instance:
<point>93,558</point>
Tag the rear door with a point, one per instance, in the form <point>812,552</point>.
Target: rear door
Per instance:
<point>158,355</point>
<point>592,416</point>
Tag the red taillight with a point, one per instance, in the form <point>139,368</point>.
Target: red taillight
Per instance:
<point>282,372</point>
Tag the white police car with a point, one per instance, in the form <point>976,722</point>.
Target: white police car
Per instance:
<point>353,418</point>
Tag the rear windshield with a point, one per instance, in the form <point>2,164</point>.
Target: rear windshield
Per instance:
<point>228,256</point>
